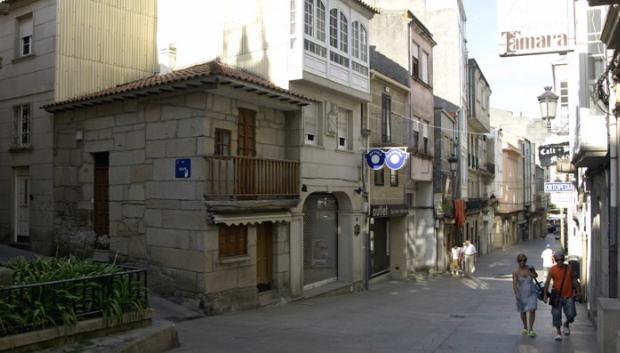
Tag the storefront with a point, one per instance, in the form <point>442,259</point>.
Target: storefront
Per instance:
<point>320,239</point>
<point>385,237</point>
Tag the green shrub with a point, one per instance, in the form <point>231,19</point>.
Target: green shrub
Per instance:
<point>93,290</point>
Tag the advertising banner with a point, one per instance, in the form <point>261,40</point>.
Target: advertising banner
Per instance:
<point>530,27</point>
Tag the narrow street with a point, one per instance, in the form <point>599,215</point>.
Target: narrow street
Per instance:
<point>442,315</point>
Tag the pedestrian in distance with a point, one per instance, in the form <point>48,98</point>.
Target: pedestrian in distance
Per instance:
<point>455,268</point>
<point>469,252</point>
<point>547,258</point>
<point>562,295</point>
<point>525,294</point>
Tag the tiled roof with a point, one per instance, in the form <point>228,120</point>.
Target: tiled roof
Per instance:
<point>367,7</point>
<point>211,69</point>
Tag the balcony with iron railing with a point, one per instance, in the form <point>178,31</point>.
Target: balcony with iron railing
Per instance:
<point>476,204</point>
<point>237,178</point>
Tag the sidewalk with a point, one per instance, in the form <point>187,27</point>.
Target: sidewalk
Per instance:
<point>441,315</point>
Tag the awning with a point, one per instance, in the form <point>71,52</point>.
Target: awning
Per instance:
<point>251,218</point>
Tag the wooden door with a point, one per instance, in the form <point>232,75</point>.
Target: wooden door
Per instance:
<point>246,133</point>
<point>102,219</point>
<point>264,256</point>
<point>246,142</point>
<point>22,205</point>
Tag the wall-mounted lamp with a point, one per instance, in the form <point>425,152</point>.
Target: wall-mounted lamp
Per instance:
<point>304,188</point>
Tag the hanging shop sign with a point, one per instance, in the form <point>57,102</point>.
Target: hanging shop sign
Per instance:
<point>526,27</point>
<point>550,154</point>
<point>396,158</point>
<point>375,159</point>
<point>559,187</point>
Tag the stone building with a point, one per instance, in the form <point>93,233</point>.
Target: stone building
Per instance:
<point>198,171</point>
<point>481,169</point>
<point>399,35</point>
<point>510,204</point>
<point>387,122</point>
<point>46,44</point>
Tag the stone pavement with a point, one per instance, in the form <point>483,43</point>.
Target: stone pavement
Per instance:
<point>440,315</point>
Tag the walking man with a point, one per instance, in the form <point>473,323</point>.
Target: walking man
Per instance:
<point>547,257</point>
<point>562,296</point>
<point>470,252</point>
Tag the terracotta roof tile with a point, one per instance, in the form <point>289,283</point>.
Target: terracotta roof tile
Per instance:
<point>210,69</point>
<point>368,7</point>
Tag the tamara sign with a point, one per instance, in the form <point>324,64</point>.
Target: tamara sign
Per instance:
<point>527,27</point>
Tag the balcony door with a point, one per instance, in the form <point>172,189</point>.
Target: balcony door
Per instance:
<point>246,144</point>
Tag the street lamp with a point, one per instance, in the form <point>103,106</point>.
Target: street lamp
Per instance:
<point>548,105</point>
<point>454,164</point>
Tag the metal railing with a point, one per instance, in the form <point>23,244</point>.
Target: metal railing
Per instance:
<point>235,177</point>
<point>48,304</point>
<point>476,204</point>
<point>490,167</point>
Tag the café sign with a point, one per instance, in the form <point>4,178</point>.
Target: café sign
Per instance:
<point>379,211</point>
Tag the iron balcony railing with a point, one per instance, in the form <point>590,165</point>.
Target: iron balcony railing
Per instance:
<point>476,204</point>
<point>250,178</point>
<point>85,298</point>
<point>490,167</point>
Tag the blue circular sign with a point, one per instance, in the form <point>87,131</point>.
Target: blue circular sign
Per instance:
<point>395,158</point>
<point>375,159</point>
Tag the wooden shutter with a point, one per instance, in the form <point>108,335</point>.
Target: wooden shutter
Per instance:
<point>233,240</point>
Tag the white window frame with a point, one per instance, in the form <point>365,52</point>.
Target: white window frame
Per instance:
<point>22,125</point>
<point>359,48</point>
<point>314,38</point>
<point>25,31</point>
<point>343,129</point>
<point>313,111</point>
<point>424,67</point>
<point>338,52</point>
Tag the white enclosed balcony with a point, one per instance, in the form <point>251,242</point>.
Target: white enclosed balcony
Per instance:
<point>335,43</point>
<point>590,140</point>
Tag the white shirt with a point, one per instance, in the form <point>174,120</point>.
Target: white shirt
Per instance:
<point>455,253</point>
<point>470,249</point>
<point>547,256</point>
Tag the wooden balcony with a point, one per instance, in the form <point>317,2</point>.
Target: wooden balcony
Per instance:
<point>235,178</point>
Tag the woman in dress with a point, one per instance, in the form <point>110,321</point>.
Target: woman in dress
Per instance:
<point>525,294</point>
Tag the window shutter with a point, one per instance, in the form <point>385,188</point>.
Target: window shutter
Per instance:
<point>25,27</point>
<point>424,67</point>
<point>425,130</point>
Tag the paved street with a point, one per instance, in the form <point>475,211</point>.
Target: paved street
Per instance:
<point>440,315</point>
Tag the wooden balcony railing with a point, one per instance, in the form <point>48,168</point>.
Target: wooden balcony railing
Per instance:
<point>250,178</point>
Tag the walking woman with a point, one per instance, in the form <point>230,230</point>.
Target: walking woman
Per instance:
<point>525,294</point>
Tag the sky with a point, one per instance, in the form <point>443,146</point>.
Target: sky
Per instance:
<point>516,81</point>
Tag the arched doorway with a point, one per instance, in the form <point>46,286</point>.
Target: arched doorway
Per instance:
<point>320,239</point>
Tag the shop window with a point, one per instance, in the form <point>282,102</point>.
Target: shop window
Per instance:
<point>233,240</point>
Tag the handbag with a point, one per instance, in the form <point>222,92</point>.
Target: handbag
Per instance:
<point>555,296</point>
<point>539,288</point>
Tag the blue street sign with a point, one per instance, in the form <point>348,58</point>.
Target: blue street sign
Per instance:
<point>395,158</point>
<point>375,159</point>
<point>183,168</point>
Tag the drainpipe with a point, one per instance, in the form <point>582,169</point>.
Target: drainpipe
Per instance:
<point>613,191</point>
